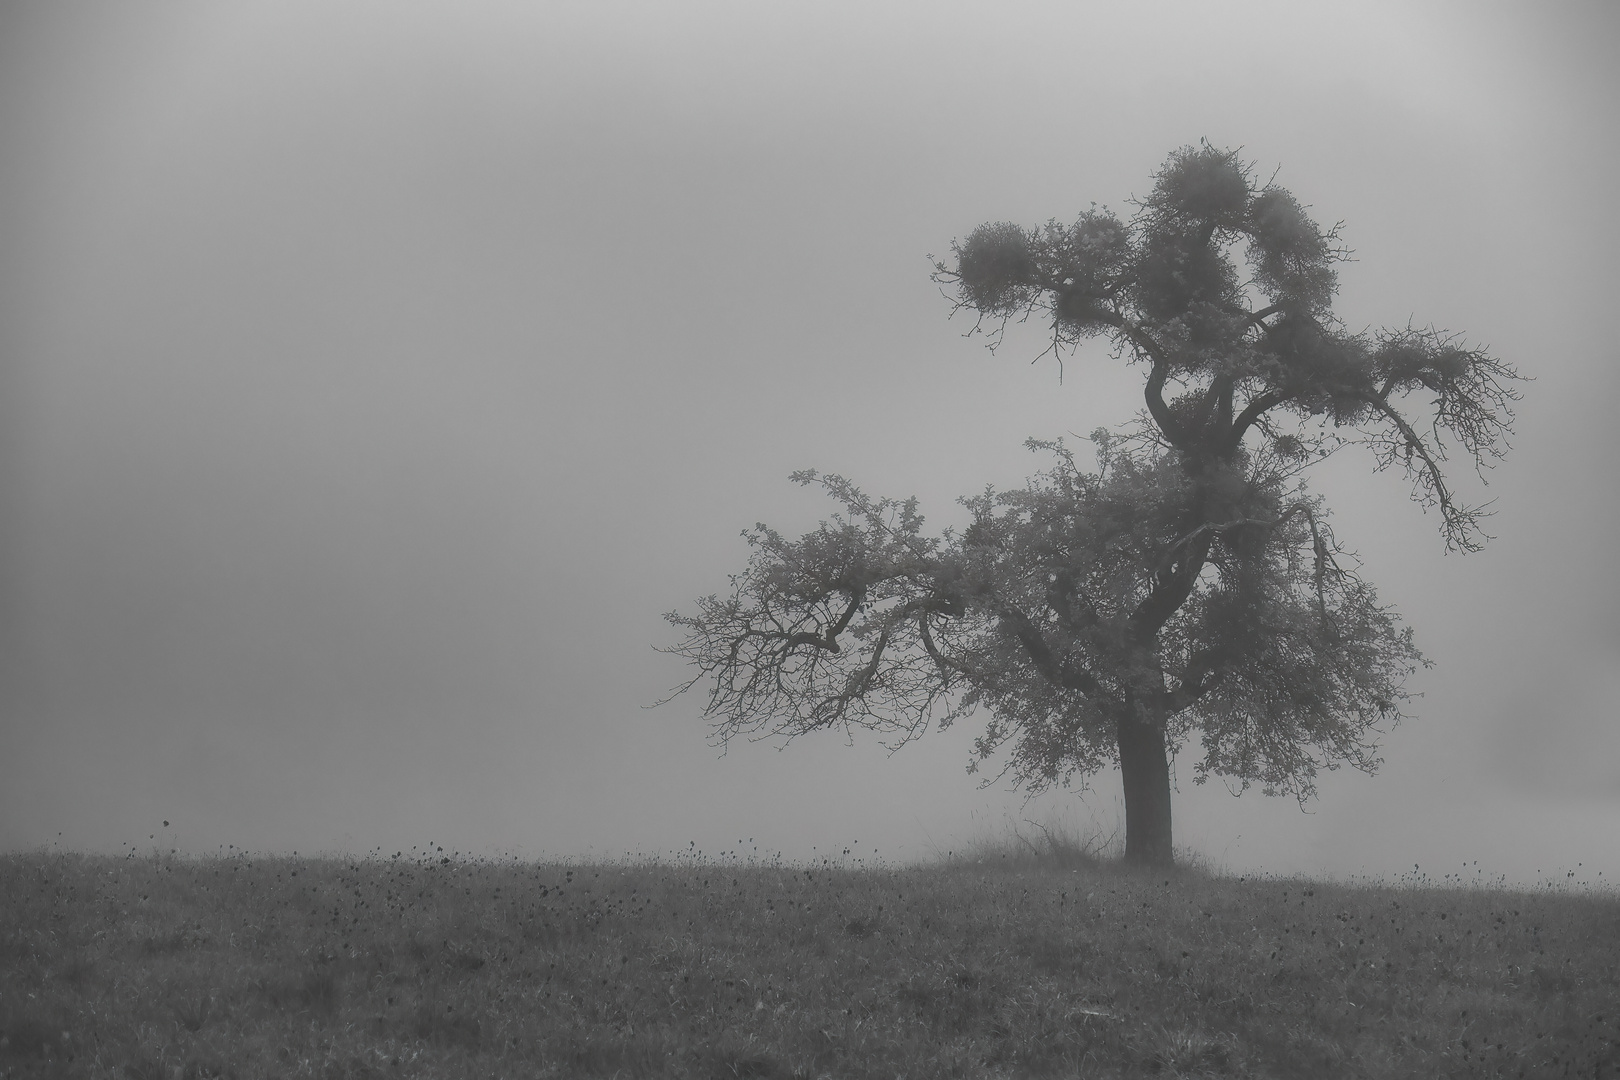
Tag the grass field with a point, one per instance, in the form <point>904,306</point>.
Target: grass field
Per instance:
<point>161,967</point>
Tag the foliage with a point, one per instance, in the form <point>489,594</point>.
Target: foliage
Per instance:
<point>1028,612</point>
<point>1168,290</point>
<point>991,966</point>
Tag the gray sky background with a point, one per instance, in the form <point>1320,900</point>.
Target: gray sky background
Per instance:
<point>372,376</point>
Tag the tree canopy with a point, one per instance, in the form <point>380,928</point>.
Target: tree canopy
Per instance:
<point>1189,585</point>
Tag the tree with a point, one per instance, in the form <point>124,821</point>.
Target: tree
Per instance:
<point>1190,584</point>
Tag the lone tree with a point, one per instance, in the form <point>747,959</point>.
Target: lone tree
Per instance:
<point>1191,583</point>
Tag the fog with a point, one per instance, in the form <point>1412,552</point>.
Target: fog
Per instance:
<point>374,376</point>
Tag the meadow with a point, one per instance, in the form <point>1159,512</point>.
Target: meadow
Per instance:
<point>1017,963</point>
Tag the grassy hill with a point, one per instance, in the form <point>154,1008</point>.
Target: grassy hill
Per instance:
<point>153,968</point>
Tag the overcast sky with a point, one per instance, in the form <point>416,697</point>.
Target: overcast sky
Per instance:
<point>373,376</point>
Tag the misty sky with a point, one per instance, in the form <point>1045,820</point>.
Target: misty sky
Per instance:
<point>373,376</point>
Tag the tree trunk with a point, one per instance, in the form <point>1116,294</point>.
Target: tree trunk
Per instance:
<point>1144,765</point>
